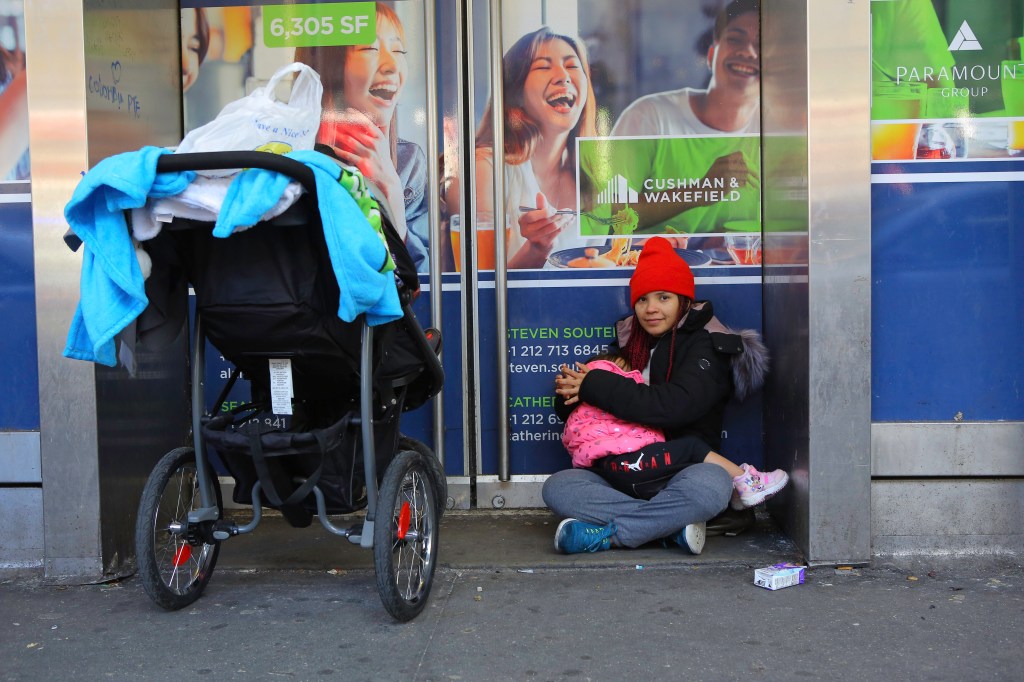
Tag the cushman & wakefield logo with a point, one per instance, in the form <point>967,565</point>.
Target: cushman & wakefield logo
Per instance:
<point>670,190</point>
<point>618,191</point>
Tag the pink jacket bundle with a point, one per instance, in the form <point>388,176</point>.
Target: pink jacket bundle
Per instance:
<point>591,433</point>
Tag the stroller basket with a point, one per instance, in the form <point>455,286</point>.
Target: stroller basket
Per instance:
<point>288,463</point>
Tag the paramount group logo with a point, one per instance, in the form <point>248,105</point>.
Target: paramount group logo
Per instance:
<point>964,39</point>
<point>618,191</point>
<point>973,80</point>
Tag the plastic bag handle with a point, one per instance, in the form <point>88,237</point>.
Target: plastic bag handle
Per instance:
<point>306,89</point>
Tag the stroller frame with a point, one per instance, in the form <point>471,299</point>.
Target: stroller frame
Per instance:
<point>210,511</point>
<point>403,506</point>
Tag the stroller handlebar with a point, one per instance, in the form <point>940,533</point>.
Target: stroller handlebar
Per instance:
<point>170,163</point>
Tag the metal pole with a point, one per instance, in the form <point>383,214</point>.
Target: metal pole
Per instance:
<point>434,196</point>
<point>500,264</point>
<point>367,417</point>
<point>206,492</point>
<point>472,442</point>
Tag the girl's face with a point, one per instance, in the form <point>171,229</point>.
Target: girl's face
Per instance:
<point>658,311</point>
<point>555,90</point>
<point>190,45</point>
<point>374,74</point>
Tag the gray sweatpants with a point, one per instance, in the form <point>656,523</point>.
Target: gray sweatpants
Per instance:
<point>697,493</point>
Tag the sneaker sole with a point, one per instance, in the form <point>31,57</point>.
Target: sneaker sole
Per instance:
<point>767,493</point>
<point>694,535</point>
<point>558,533</point>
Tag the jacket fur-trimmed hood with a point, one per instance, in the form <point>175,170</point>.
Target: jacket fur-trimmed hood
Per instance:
<point>750,365</point>
<point>748,356</point>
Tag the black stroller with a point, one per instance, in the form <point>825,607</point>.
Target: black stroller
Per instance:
<point>269,295</point>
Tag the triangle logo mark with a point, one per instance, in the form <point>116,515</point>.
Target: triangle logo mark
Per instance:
<point>964,39</point>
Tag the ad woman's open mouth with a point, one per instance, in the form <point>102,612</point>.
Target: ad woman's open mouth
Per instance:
<point>386,92</point>
<point>562,102</point>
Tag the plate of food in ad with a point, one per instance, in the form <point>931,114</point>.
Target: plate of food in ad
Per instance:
<point>620,254</point>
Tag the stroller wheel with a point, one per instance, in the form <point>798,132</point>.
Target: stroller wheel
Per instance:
<point>175,563</point>
<point>433,466</point>
<point>405,536</point>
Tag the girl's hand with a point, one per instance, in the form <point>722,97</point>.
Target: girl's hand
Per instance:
<point>567,384</point>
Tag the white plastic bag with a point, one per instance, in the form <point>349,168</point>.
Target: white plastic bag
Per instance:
<point>259,121</point>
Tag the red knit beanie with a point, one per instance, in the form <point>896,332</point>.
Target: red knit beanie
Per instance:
<point>660,268</point>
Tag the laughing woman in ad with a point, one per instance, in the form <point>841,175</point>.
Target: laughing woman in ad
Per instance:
<point>731,102</point>
<point>549,102</point>
<point>730,105</point>
<point>362,88</point>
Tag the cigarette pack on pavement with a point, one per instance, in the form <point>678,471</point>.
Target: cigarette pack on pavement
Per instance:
<point>778,576</point>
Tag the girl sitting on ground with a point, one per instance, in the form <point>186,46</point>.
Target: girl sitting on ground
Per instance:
<point>595,436</point>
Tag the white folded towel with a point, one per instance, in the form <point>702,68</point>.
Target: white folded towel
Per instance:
<point>201,200</point>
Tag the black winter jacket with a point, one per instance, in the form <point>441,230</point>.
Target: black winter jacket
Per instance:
<point>690,401</point>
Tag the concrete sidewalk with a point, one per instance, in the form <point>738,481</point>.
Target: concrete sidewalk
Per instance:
<point>510,539</point>
<point>301,604</point>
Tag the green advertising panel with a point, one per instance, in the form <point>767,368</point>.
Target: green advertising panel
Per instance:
<point>939,63</point>
<point>662,185</point>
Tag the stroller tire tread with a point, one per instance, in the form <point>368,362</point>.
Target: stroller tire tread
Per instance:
<point>434,466</point>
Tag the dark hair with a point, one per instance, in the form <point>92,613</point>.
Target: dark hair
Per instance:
<point>202,33</point>
<point>520,132</point>
<point>731,11</point>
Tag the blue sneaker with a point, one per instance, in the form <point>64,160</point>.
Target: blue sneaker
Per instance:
<point>692,537</point>
<point>573,537</point>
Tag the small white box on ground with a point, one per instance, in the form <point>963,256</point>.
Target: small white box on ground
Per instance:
<point>778,576</point>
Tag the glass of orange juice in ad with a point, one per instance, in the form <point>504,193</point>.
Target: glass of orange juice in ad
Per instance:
<point>894,132</point>
<point>455,231</point>
<point>745,249</point>
<point>1013,103</point>
<point>484,241</point>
